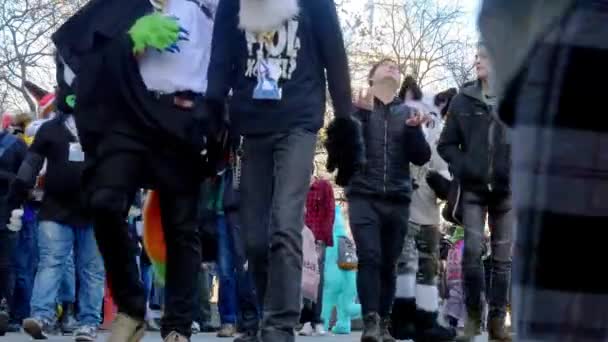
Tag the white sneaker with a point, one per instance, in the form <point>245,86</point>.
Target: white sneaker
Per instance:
<point>196,328</point>
<point>306,330</point>
<point>320,330</point>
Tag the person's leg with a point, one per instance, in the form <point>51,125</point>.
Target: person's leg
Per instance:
<point>179,218</point>
<point>293,155</point>
<point>116,179</point>
<point>395,217</point>
<point>90,273</point>
<point>55,243</point>
<point>502,226</point>
<point>8,241</point>
<point>227,304</point>
<point>24,257</point>
<point>404,306</point>
<point>67,297</point>
<point>474,214</point>
<point>365,225</point>
<point>248,313</point>
<point>427,291</point>
<point>256,195</point>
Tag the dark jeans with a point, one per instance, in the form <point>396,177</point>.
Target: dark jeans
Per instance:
<point>248,310</point>
<point>8,241</point>
<point>276,170</point>
<point>110,203</point>
<point>227,304</point>
<point>500,216</point>
<point>379,227</point>
<point>203,302</point>
<point>25,261</point>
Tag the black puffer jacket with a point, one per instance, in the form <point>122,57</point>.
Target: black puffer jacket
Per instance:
<point>475,144</point>
<point>390,146</point>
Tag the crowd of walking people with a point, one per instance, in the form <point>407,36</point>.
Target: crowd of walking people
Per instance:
<point>178,146</point>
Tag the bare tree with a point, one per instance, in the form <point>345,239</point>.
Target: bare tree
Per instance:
<point>418,34</point>
<point>460,64</point>
<point>25,45</point>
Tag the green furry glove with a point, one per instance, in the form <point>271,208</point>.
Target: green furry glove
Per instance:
<point>156,31</point>
<point>70,100</point>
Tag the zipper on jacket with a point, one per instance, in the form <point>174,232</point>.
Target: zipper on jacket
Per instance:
<point>385,152</point>
<point>491,148</point>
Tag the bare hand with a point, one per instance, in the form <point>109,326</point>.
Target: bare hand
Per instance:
<point>417,120</point>
<point>365,100</point>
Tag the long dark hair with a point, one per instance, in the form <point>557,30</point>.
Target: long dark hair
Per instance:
<point>410,84</point>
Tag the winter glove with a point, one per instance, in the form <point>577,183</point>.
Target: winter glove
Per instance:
<point>15,222</point>
<point>345,148</point>
<point>156,31</point>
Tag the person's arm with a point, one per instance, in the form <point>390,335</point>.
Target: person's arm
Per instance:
<point>328,34</point>
<point>449,146</point>
<point>418,149</point>
<point>29,169</point>
<point>221,73</point>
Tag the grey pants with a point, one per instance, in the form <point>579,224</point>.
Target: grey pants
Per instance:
<point>501,222</point>
<point>275,178</point>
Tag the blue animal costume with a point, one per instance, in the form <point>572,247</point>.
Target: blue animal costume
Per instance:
<point>340,286</point>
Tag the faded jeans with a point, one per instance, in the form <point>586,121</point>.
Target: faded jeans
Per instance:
<point>501,221</point>
<point>275,179</point>
<point>55,243</point>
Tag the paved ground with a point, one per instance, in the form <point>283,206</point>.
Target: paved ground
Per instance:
<point>154,337</point>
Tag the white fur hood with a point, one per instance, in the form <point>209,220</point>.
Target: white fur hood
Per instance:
<point>266,15</point>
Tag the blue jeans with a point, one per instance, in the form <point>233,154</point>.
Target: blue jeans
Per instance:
<point>228,301</point>
<point>25,259</point>
<point>67,289</point>
<point>56,243</point>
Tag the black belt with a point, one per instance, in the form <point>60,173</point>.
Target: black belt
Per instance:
<point>181,99</point>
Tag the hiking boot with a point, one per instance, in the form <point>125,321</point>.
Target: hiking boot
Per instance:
<point>472,327</point>
<point>38,329</point>
<point>176,337</point>
<point>371,328</point>
<point>248,336</point>
<point>497,330</point>
<point>126,329</point>
<point>227,330</point>
<point>385,326</point>
<point>85,333</point>
<point>68,321</point>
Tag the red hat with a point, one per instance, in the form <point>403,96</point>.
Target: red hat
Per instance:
<point>44,98</point>
<point>7,120</point>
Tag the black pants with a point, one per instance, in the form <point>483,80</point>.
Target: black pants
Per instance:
<point>379,228</point>
<point>275,179</point>
<point>110,202</point>
<point>500,216</point>
<point>8,241</point>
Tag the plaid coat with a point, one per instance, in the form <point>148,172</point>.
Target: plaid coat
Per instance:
<point>560,178</point>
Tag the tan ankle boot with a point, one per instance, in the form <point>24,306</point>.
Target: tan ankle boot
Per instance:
<point>497,330</point>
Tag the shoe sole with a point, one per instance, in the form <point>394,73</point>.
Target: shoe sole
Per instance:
<point>34,330</point>
<point>83,338</point>
<point>370,339</point>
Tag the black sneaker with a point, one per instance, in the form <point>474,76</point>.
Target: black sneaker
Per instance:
<point>371,328</point>
<point>68,322</point>
<point>38,329</point>
<point>4,318</point>
<point>85,333</point>
<point>248,336</point>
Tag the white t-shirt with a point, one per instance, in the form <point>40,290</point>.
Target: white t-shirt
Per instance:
<point>168,72</point>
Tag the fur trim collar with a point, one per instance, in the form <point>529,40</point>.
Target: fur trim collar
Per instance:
<point>266,15</point>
